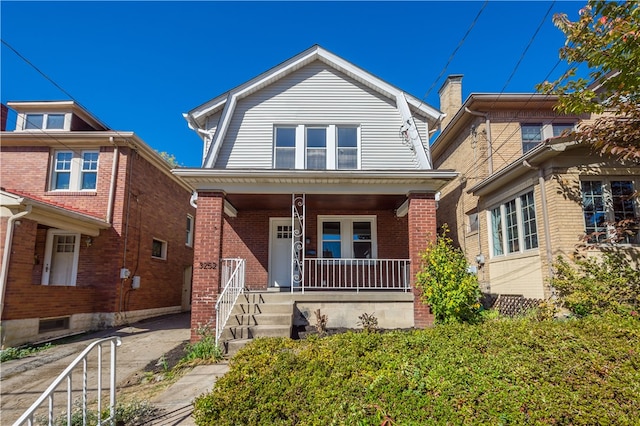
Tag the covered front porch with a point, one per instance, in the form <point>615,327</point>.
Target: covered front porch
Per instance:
<point>313,231</point>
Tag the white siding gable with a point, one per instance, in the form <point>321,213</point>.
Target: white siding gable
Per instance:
<point>321,95</point>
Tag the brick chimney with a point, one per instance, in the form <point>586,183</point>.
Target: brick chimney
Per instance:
<point>3,118</point>
<point>450,97</point>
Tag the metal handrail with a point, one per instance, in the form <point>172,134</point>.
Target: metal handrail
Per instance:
<point>47,395</point>
<point>234,285</point>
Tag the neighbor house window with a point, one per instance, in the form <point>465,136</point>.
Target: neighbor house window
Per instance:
<point>159,249</point>
<point>513,226</point>
<point>608,202</point>
<point>531,136</point>
<point>44,121</point>
<point>347,237</point>
<point>189,240</point>
<point>314,147</point>
<point>472,220</point>
<point>75,171</point>
<point>562,129</point>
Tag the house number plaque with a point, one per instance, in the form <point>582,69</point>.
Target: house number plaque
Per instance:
<point>208,265</point>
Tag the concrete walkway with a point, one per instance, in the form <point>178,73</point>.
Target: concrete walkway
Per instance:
<point>22,381</point>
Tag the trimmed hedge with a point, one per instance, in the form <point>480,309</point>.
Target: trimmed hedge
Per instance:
<point>579,372</point>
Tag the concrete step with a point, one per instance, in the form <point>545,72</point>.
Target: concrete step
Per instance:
<point>253,331</point>
<point>245,308</point>
<point>260,319</point>
<point>266,297</point>
<point>231,347</point>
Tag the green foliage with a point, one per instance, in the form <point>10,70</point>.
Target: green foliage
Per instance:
<point>133,413</point>
<point>605,38</point>
<point>169,158</point>
<point>11,353</point>
<point>505,371</point>
<point>369,322</point>
<point>204,349</point>
<point>451,292</point>
<point>597,284</point>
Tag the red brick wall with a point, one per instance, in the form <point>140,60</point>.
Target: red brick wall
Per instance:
<point>422,229</point>
<point>157,208</point>
<point>208,249</point>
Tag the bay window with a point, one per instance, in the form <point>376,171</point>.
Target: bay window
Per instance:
<point>513,226</point>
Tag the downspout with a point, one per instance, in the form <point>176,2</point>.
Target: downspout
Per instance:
<point>545,214</point>
<point>112,186</point>
<point>487,126</point>
<point>126,229</point>
<point>4,272</point>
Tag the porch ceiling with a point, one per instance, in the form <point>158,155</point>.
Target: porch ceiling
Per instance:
<point>317,201</point>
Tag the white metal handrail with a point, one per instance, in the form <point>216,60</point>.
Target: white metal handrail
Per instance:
<point>357,274</point>
<point>67,374</point>
<point>233,277</point>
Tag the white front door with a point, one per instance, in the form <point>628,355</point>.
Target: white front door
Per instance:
<point>61,258</point>
<point>280,235</point>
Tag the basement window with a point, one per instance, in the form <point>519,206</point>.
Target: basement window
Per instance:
<point>53,324</point>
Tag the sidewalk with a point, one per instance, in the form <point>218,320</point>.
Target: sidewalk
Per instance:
<point>22,381</point>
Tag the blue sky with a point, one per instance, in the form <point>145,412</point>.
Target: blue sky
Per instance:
<point>138,66</point>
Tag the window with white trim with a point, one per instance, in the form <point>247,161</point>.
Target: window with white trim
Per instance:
<point>316,147</point>
<point>347,237</point>
<point>45,121</point>
<point>74,171</point>
<point>189,240</point>
<point>607,202</point>
<point>158,249</point>
<point>513,226</point>
<point>534,133</point>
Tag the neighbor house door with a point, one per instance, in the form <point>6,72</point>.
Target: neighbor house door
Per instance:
<point>61,258</point>
<point>280,235</point>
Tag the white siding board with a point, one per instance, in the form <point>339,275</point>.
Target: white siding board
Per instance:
<point>315,94</point>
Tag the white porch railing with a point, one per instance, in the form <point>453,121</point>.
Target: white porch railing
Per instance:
<point>356,274</point>
<point>233,279</point>
<point>67,375</point>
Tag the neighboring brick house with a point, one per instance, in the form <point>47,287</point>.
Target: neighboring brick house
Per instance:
<point>96,230</point>
<point>318,175</point>
<point>526,193</point>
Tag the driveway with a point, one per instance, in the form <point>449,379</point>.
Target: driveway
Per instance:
<point>22,381</point>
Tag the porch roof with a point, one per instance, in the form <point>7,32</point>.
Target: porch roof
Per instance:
<point>346,182</point>
<point>46,213</point>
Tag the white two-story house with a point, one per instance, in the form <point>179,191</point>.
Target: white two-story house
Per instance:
<point>317,180</point>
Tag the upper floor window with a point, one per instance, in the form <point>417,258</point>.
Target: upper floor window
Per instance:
<point>74,171</point>
<point>534,133</point>
<point>608,207</point>
<point>513,226</point>
<point>44,121</point>
<point>330,147</point>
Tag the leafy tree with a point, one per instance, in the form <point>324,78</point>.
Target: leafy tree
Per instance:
<point>447,286</point>
<point>605,38</point>
<point>169,158</point>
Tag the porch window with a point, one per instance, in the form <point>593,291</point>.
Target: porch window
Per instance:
<point>513,226</point>
<point>349,237</point>
<point>608,202</point>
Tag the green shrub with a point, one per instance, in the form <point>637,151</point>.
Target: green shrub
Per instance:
<point>448,288</point>
<point>369,322</point>
<point>506,371</point>
<point>11,353</point>
<point>597,284</point>
<point>205,349</point>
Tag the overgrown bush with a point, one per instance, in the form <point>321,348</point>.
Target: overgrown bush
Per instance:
<point>452,293</point>
<point>11,353</point>
<point>505,371</point>
<point>597,284</point>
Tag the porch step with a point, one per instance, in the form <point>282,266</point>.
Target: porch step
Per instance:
<point>257,314</point>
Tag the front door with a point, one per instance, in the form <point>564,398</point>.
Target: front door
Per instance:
<point>61,258</point>
<point>280,235</point>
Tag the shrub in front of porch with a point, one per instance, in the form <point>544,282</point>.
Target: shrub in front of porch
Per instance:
<point>450,290</point>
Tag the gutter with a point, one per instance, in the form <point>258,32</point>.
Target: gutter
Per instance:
<point>487,126</point>
<point>4,271</point>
